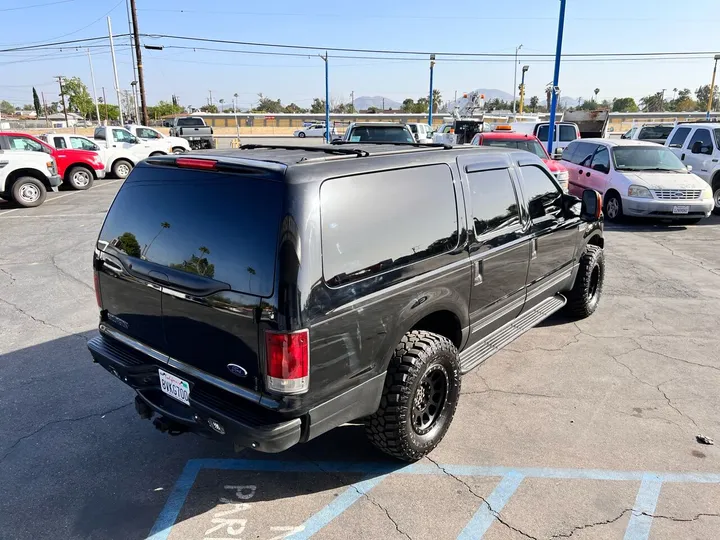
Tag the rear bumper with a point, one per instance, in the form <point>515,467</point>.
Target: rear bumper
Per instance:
<point>697,208</point>
<point>243,424</point>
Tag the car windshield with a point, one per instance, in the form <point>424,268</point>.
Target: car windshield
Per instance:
<point>527,145</point>
<point>380,134</point>
<point>645,158</point>
<point>190,122</point>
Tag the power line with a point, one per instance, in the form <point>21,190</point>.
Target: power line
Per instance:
<point>36,5</point>
<point>68,42</point>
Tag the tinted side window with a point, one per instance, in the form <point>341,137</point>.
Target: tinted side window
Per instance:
<point>601,160</point>
<point>542,132</point>
<point>100,134</point>
<point>371,222</point>
<point>654,132</point>
<point>59,142</point>
<point>678,139</point>
<point>567,133</point>
<point>543,196</point>
<point>494,202</point>
<point>584,153</point>
<point>569,153</point>
<point>701,142</point>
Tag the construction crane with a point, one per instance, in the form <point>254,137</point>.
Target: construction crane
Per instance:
<point>473,101</point>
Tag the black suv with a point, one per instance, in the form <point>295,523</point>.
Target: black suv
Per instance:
<point>269,294</point>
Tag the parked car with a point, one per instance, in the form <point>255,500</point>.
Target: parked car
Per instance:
<point>564,133</point>
<point>314,130</point>
<point>77,168</point>
<point>637,178</point>
<point>378,132</point>
<point>178,145</point>
<point>266,296</point>
<point>26,176</point>
<point>124,150</point>
<point>193,129</point>
<point>507,138</point>
<point>657,133</point>
<point>421,132</point>
<point>698,145</point>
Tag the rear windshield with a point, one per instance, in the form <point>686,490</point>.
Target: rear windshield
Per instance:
<point>380,134</point>
<point>659,133</point>
<point>220,226</point>
<point>190,122</point>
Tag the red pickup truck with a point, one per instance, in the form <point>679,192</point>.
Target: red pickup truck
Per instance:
<point>77,168</point>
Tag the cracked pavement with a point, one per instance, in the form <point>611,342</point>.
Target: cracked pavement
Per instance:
<point>626,390</point>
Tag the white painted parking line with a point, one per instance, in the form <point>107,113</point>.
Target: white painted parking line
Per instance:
<point>105,183</point>
<point>55,216</point>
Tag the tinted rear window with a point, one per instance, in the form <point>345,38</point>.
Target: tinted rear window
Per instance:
<point>190,122</point>
<point>220,226</point>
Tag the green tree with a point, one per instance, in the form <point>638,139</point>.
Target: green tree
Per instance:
<point>318,106</point>
<point>373,110</point>
<point>293,108</point>
<point>534,103</point>
<point>111,112</point>
<point>209,108</point>
<point>36,103</point>
<point>28,107</point>
<point>128,243</point>
<point>437,100</point>
<point>408,105</point>
<point>78,97</point>
<point>703,95</point>
<point>222,102</point>
<point>626,104</point>
<point>164,108</point>
<point>421,105</point>
<point>652,103</point>
<point>197,264</point>
<point>268,105</point>
<point>6,107</point>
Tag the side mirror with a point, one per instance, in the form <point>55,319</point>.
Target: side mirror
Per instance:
<point>689,168</point>
<point>557,153</point>
<point>166,124</point>
<point>696,148</point>
<point>601,168</point>
<point>591,205</point>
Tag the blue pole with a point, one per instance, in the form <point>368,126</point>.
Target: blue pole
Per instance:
<point>430,99</point>
<point>556,78</point>
<point>327,101</point>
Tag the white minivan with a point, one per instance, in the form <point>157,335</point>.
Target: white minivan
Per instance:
<point>637,178</point>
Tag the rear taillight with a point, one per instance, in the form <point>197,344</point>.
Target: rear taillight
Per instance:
<point>288,362</point>
<point>96,282</point>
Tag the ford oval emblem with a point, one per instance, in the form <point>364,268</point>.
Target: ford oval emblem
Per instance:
<point>237,370</point>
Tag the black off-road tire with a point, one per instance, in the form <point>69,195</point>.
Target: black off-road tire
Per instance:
<point>419,357</point>
<point>582,300</point>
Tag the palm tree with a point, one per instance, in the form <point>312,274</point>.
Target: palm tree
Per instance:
<point>252,272</point>
<point>534,103</point>
<point>674,93</point>
<point>437,100</point>
<point>235,95</point>
<point>163,225</point>
<point>596,91</point>
<point>221,101</point>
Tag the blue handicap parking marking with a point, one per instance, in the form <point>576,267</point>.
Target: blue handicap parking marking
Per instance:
<point>510,478</point>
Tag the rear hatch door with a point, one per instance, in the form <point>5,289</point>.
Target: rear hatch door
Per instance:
<point>204,244</point>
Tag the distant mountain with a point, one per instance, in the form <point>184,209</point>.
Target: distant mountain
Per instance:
<point>567,102</point>
<point>365,102</point>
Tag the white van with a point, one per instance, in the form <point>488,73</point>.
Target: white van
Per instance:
<point>565,132</point>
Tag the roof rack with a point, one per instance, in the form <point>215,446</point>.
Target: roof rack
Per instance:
<point>328,150</point>
<point>412,145</point>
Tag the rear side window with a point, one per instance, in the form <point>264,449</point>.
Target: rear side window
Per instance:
<point>375,222</point>
<point>59,142</point>
<point>569,153</point>
<point>542,132</point>
<point>567,133</point>
<point>678,139</point>
<point>583,154</point>
<point>494,202</point>
<point>220,226</point>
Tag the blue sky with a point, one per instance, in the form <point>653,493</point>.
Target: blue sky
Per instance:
<point>480,26</point>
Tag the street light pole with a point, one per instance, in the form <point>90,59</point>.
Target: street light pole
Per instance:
<point>556,77</point>
<point>517,50</point>
<point>430,100</point>
<point>522,88</point>
<point>327,99</point>
<point>712,88</point>
<point>62,97</point>
<point>92,77</point>
<point>117,83</point>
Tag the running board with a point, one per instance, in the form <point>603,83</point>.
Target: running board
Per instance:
<point>482,350</point>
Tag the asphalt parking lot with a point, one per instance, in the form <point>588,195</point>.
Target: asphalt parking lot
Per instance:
<point>583,430</point>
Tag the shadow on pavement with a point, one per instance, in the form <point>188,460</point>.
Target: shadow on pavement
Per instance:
<point>75,455</point>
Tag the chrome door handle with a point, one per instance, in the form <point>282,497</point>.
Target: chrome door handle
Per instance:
<point>533,246</point>
<point>479,275</point>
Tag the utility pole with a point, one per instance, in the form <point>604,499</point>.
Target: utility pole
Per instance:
<point>522,88</point>
<point>62,97</point>
<point>117,84</point>
<point>430,99</point>
<point>515,65</point>
<point>327,99</point>
<point>555,90</point>
<point>712,89</point>
<point>138,54</point>
<point>352,100</point>
<point>47,122</point>
<point>92,76</point>
<point>211,101</point>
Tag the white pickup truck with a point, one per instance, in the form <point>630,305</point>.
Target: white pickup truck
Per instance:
<point>178,144</point>
<point>124,149</point>
<point>26,177</point>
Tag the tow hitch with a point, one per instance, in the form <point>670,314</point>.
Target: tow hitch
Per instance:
<point>161,423</point>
